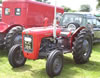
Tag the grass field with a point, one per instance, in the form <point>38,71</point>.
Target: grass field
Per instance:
<point>36,69</point>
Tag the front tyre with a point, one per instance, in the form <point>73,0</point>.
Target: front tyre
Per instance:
<point>15,56</point>
<point>82,46</point>
<point>54,63</point>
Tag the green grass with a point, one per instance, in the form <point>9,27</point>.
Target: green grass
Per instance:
<point>36,69</point>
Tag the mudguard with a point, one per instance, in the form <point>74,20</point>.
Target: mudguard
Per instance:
<point>3,27</point>
<point>75,33</point>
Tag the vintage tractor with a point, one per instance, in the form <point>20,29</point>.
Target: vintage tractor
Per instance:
<point>21,14</point>
<point>52,42</point>
<point>39,43</point>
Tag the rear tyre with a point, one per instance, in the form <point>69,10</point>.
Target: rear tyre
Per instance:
<point>54,63</point>
<point>82,46</point>
<point>14,36</point>
<point>16,57</point>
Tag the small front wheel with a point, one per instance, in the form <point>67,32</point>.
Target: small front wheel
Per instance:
<point>15,56</point>
<point>54,63</point>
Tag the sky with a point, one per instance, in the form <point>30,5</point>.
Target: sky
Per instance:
<point>75,4</point>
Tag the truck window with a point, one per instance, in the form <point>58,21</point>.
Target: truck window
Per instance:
<point>58,17</point>
<point>98,24</point>
<point>7,11</point>
<point>17,11</point>
<point>89,21</point>
<point>72,18</point>
<point>94,21</point>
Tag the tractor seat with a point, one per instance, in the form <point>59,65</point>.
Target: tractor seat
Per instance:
<point>64,34</point>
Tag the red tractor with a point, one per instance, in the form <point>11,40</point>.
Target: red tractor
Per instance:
<point>21,14</point>
<point>39,43</point>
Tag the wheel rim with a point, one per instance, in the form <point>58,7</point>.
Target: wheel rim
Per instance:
<point>86,47</point>
<point>18,39</point>
<point>57,65</point>
<point>19,58</point>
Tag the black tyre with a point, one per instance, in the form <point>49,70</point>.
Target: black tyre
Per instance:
<point>15,56</point>
<point>14,36</point>
<point>82,46</point>
<point>54,63</point>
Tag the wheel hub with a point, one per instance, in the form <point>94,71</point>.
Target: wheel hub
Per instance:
<point>57,64</point>
<point>85,47</point>
<point>19,57</point>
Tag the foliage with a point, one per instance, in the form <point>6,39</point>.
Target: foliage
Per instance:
<point>39,0</point>
<point>0,1</point>
<point>98,5</point>
<point>67,9</point>
<point>85,8</point>
<point>36,69</point>
<point>44,1</point>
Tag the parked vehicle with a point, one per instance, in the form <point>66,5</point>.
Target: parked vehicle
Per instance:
<point>38,43</point>
<point>21,14</point>
<point>84,19</point>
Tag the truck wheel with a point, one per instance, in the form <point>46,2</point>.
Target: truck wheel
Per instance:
<point>82,46</point>
<point>15,56</point>
<point>54,63</point>
<point>76,24</point>
<point>14,36</point>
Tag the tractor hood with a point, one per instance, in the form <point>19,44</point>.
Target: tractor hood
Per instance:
<point>37,34</point>
<point>3,27</point>
<point>42,31</point>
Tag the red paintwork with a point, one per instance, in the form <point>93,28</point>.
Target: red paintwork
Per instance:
<point>3,27</point>
<point>33,14</point>
<point>46,22</point>
<point>42,32</point>
<point>38,34</point>
<point>74,34</point>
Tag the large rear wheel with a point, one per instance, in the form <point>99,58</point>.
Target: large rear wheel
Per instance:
<point>14,36</point>
<point>82,46</point>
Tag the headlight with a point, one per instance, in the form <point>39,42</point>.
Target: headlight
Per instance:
<point>28,39</point>
<point>28,43</point>
<point>71,27</point>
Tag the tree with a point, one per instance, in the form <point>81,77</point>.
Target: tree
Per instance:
<point>39,0</point>
<point>85,8</point>
<point>98,5</point>
<point>67,9</point>
<point>44,1</point>
<point>0,1</point>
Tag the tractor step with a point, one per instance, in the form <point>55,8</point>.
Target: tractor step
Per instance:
<point>67,51</point>
<point>43,54</point>
<point>96,41</point>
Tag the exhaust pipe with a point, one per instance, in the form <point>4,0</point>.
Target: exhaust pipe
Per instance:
<point>54,22</point>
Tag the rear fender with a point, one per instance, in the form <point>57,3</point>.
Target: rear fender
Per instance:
<point>11,26</point>
<point>4,28</point>
<point>75,34</point>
